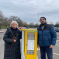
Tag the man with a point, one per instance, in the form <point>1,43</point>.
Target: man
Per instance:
<point>46,38</point>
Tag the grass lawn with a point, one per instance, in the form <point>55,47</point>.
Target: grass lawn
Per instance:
<point>3,27</point>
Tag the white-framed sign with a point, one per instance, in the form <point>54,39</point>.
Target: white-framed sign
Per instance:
<point>30,43</point>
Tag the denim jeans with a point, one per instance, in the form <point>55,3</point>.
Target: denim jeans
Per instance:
<point>46,50</point>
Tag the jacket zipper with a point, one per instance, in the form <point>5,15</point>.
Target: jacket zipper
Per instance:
<point>49,40</point>
<point>42,38</point>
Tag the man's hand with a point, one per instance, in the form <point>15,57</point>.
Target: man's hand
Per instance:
<point>51,46</point>
<point>14,40</point>
<point>38,46</point>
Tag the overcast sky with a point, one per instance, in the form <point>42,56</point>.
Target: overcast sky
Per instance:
<point>28,10</point>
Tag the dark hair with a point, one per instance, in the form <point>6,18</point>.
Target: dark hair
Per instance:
<point>43,17</point>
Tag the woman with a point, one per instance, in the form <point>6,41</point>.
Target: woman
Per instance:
<point>12,42</point>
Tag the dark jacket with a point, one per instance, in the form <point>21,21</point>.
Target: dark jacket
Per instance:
<point>47,36</point>
<point>15,49</point>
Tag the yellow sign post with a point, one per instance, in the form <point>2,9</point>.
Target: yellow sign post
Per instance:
<point>29,43</point>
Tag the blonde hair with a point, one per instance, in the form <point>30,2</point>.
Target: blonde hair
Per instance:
<point>14,22</point>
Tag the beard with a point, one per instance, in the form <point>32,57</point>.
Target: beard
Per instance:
<point>43,24</point>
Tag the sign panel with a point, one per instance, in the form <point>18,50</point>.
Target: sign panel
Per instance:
<point>30,43</point>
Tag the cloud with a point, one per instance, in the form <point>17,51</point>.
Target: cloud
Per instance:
<point>28,10</point>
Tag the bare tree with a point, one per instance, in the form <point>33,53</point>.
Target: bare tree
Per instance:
<point>1,18</point>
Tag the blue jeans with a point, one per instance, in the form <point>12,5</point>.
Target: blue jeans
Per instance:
<point>44,51</point>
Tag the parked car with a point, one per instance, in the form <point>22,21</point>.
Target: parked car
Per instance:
<point>57,29</point>
<point>27,27</point>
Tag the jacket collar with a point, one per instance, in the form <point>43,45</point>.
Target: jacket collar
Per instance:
<point>11,30</point>
<point>41,26</point>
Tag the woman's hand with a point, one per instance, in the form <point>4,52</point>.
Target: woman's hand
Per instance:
<point>14,40</point>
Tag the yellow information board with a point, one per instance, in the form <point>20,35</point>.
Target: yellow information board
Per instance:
<point>29,43</point>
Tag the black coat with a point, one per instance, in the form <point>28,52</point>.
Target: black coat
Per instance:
<point>15,49</point>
